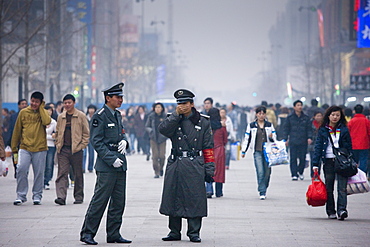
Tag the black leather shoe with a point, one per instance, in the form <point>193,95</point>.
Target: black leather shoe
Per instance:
<point>60,201</point>
<point>195,239</point>
<point>120,240</point>
<point>88,239</point>
<point>170,238</point>
<point>78,202</point>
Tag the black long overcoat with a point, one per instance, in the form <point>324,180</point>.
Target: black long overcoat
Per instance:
<point>184,192</point>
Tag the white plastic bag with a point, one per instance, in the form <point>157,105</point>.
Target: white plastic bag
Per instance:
<point>8,151</point>
<point>358,183</point>
<point>275,153</point>
<point>3,168</point>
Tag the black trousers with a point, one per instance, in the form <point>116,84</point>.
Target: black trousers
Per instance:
<point>297,152</point>
<point>175,223</point>
<point>110,187</point>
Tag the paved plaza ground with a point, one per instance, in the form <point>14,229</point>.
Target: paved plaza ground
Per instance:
<point>237,219</point>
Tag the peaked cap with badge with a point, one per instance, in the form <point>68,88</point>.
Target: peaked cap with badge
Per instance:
<point>116,89</point>
<point>183,95</point>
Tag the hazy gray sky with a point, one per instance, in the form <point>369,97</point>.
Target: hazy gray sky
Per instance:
<point>223,41</point>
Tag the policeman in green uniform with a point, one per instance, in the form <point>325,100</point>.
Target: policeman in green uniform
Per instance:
<point>109,141</point>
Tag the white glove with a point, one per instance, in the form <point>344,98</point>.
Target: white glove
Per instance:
<point>118,163</point>
<point>122,146</point>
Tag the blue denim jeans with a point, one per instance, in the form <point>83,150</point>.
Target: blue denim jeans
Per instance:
<point>49,165</point>
<point>132,142</point>
<point>263,172</point>
<point>209,189</point>
<point>360,156</point>
<point>341,188</point>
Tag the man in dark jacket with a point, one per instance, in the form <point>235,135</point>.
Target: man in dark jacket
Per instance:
<point>157,140</point>
<point>13,118</point>
<point>298,133</point>
<point>109,140</point>
<point>190,164</point>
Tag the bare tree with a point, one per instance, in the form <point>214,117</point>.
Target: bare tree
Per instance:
<point>19,29</point>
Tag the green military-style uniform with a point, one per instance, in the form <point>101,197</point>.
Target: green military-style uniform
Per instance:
<point>106,131</point>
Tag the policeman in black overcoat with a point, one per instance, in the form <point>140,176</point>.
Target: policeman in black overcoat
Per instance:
<point>108,138</point>
<point>190,164</point>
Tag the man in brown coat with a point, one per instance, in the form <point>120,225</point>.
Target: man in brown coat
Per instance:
<point>72,136</point>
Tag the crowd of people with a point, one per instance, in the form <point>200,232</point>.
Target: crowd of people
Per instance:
<point>46,135</point>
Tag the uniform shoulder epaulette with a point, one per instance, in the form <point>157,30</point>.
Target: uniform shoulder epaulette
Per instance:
<point>101,111</point>
<point>205,116</point>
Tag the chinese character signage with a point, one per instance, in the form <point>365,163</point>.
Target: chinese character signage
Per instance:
<point>363,33</point>
<point>359,82</point>
<point>82,9</point>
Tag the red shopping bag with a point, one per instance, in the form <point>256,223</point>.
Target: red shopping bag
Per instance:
<point>316,193</point>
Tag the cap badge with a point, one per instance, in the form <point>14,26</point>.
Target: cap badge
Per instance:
<point>180,93</point>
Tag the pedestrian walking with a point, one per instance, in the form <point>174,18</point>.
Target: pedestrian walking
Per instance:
<point>6,125</point>
<point>313,109</point>
<point>89,151</point>
<point>130,128</point>
<point>109,141</point>
<point>72,136</point>
<point>231,136</point>
<point>29,146</point>
<point>257,133</point>
<point>140,132</point>
<point>190,164</point>
<point>334,127</point>
<point>157,140</point>
<point>359,128</point>
<point>13,118</point>
<point>316,123</point>
<point>298,135</point>
<point>219,140</point>
<point>2,147</point>
<point>50,138</point>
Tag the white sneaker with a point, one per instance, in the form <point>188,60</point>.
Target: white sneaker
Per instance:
<point>47,187</point>
<point>294,178</point>
<point>17,202</point>
<point>301,176</point>
<point>263,197</point>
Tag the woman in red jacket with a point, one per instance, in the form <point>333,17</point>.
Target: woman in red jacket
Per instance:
<point>220,140</point>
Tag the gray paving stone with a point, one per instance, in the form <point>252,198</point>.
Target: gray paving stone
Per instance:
<point>237,219</point>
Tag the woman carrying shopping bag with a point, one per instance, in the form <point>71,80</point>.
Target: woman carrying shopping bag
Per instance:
<point>333,126</point>
<point>257,133</point>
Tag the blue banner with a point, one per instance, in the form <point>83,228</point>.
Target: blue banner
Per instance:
<point>82,9</point>
<point>363,33</point>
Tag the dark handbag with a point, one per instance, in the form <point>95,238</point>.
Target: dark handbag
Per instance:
<point>344,162</point>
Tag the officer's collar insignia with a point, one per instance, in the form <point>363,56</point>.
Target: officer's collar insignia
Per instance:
<point>101,111</point>
<point>95,123</point>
